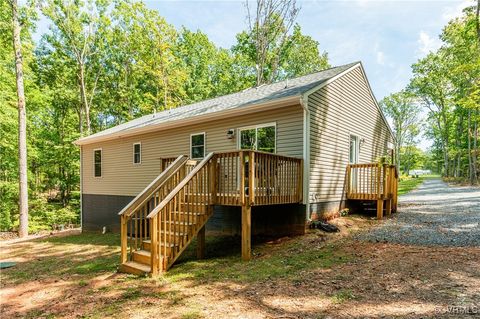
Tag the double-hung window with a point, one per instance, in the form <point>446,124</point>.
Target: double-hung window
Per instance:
<point>97,162</point>
<point>197,146</point>
<point>260,137</point>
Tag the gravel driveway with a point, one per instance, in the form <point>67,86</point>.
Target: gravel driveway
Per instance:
<point>433,214</point>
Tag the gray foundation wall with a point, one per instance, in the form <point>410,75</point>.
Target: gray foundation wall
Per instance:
<point>326,210</point>
<point>100,211</point>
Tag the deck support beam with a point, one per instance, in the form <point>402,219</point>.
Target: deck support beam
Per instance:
<point>246,232</point>
<point>201,243</point>
<point>380,209</point>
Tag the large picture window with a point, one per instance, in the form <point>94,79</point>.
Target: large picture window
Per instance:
<point>97,163</point>
<point>259,137</point>
<point>197,145</point>
<point>137,153</point>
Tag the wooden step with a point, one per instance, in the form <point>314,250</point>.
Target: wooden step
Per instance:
<point>179,223</point>
<point>146,246</point>
<point>136,268</point>
<point>142,256</point>
<point>183,216</point>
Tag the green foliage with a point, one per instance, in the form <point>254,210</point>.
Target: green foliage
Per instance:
<point>447,84</point>
<point>404,112</point>
<point>298,55</point>
<point>102,63</point>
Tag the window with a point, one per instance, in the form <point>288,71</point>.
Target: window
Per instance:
<point>260,137</point>
<point>353,157</point>
<point>97,162</point>
<point>137,153</point>
<point>197,145</point>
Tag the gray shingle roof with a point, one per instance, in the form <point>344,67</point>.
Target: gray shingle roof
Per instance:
<point>256,95</point>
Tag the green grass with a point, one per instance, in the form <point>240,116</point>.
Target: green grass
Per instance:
<point>342,296</point>
<point>68,256</point>
<point>407,183</point>
<point>287,261</point>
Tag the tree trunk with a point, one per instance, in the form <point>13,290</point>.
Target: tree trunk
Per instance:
<point>83,97</point>
<point>475,139</point>
<point>469,142</point>
<point>22,125</point>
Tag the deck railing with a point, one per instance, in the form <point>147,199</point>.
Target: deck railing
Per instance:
<point>258,178</point>
<point>133,218</point>
<point>371,181</point>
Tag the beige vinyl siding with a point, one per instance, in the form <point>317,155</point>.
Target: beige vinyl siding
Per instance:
<point>342,108</point>
<point>121,177</point>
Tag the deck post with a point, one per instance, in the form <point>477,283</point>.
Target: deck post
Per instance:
<point>388,206</point>
<point>246,232</point>
<point>201,243</point>
<point>154,246</point>
<point>395,190</point>
<point>379,208</point>
<point>379,192</point>
<point>123,240</point>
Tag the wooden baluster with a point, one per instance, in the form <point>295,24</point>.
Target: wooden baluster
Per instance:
<point>130,241</point>
<point>251,179</point>
<point>300,180</point>
<point>153,246</point>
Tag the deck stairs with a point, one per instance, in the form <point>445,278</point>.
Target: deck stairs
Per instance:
<point>161,221</point>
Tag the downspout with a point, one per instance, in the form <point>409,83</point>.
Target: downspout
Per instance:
<point>306,154</point>
<point>81,189</point>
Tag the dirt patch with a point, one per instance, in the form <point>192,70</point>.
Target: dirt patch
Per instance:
<point>313,276</point>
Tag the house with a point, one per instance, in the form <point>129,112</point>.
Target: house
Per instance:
<point>260,161</point>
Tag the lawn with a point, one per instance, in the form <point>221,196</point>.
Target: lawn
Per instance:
<point>313,276</point>
<point>407,183</point>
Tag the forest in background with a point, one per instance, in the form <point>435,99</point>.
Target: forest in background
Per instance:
<point>105,62</point>
<point>446,87</point>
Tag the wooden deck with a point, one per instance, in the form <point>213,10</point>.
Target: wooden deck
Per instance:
<point>161,221</point>
<point>373,182</point>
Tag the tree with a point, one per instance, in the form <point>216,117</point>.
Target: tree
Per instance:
<point>447,84</point>
<point>402,109</point>
<point>75,35</point>
<point>22,124</point>
<point>268,28</point>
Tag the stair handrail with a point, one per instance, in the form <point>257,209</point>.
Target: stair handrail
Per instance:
<point>179,187</point>
<point>144,195</point>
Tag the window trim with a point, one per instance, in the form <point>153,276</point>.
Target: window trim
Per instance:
<point>101,162</point>
<point>256,127</point>
<point>204,144</point>
<point>357,148</point>
<point>140,153</point>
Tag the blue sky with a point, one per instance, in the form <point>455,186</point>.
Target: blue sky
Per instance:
<point>387,36</point>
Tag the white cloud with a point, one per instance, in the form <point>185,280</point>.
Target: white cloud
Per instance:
<point>452,12</point>
<point>426,43</point>
<point>380,58</point>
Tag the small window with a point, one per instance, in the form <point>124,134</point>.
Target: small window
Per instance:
<point>97,159</point>
<point>197,145</point>
<point>353,157</point>
<point>137,153</point>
